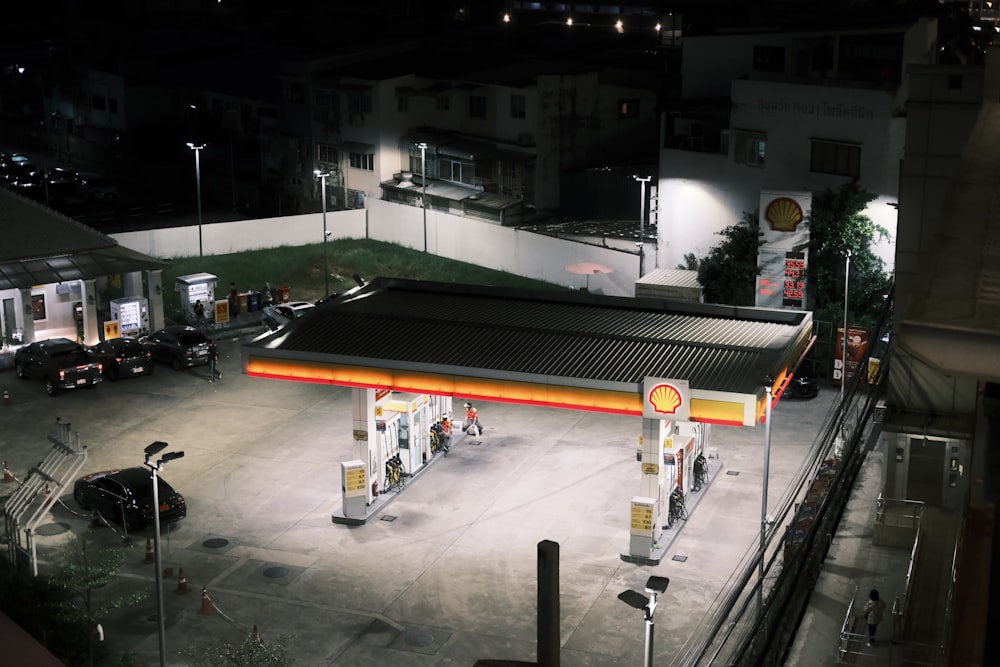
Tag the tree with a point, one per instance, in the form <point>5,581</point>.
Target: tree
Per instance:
<point>729,273</point>
<point>836,224</point>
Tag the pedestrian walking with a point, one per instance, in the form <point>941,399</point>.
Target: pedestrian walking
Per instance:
<point>213,364</point>
<point>874,610</point>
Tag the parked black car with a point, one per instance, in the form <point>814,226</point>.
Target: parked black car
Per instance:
<point>125,497</point>
<point>123,357</point>
<point>801,386</point>
<point>61,362</point>
<point>181,346</point>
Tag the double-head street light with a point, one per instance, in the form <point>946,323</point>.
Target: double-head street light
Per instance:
<point>197,177</point>
<point>151,451</point>
<point>654,586</point>
<point>423,183</point>
<point>321,175</point>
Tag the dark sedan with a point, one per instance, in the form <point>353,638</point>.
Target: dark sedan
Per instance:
<point>122,358</point>
<point>180,346</point>
<point>125,497</point>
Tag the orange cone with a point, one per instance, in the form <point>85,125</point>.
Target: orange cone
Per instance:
<point>7,476</point>
<point>150,556</point>
<point>182,582</point>
<point>207,608</point>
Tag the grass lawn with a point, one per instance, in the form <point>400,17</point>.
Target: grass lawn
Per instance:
<point>301,269</point>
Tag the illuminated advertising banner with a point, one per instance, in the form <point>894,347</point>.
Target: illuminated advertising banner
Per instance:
<point>782,257</point>
<point>857,349</point>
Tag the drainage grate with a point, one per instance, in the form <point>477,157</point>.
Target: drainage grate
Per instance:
<point>275,572</point>
<point>215,543</point>
<point>733,473</point>
<point>418,638</point>
<point>679,559</point>
<point>388,517</point>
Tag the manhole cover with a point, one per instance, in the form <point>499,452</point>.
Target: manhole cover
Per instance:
<point>732,473</point>
<point>276,572</point>
<point>52,529</point>
<point>215,543</point>
<point>418,638</point>
<point>388,517</point>
<point>679,559</point>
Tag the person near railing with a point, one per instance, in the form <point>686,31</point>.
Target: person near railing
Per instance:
<point>874,610</point>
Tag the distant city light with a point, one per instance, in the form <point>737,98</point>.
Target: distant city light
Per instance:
<point>569,21</point>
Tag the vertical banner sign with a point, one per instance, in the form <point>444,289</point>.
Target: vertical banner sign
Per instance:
<point>857,348</point>
<point>782,257</point>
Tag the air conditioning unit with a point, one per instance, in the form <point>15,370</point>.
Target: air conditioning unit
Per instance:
<point>881,411</point>
<point>357,119</point>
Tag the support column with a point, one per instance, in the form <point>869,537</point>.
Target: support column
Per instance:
<point>646,527</point>
<point>27,317</point>
<point>92,328</point>
<point>363,414</point>
<point>154,279</point>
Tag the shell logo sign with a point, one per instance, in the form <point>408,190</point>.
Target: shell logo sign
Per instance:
<point>666,399</point>
<point>783,214</point>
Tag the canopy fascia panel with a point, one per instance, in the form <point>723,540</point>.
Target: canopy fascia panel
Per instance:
<point>714,407</point>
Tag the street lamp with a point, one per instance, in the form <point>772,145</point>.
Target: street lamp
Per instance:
<point>843,370</point>
<point>423,183</point>
<point>642,217</point>
<point>321,175</point>
<point>151,451</point>
<point>197,177</point>
<point>654,586</point>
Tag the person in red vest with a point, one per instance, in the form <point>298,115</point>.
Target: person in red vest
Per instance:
<point>472,419</point>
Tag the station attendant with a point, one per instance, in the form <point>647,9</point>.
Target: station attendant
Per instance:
<point>472,418</point>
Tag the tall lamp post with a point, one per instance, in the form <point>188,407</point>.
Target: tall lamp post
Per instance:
<point>423,184</point>
<point>654,586</point>
<point>642,218</point>
<point>843,370</point>
<point>151,451</point>
<point>197,177</point>
<point>321,175</point>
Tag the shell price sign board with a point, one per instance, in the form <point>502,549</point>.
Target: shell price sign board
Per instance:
<point>782,257</point>
<point>642,516</point>
<point>664,398</point>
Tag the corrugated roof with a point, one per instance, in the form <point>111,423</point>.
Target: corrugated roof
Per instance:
<point>581,339</point>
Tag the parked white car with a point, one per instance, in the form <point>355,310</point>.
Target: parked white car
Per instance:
<point>279,314</point>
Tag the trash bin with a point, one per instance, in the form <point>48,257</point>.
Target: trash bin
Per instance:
<point>283,291</point>
<point>253,302</point>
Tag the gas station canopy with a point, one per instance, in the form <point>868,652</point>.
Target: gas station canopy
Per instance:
<point>554,348</point>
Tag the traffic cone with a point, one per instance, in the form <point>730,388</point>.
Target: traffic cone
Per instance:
<point>207,608</point>
<point>150,556</point>
<point>182,582</point>
<point>6,396</point>
<point>7,476</point>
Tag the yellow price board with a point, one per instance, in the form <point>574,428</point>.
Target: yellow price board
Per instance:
<point>355,480</point>
<point>650,469</point>
<point>642,517</point>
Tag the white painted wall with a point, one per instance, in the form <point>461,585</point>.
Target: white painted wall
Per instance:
<point>454,237</point>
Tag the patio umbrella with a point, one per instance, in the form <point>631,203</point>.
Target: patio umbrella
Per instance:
<point>587,269</point>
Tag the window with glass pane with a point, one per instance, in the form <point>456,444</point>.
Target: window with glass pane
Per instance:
<point>364,161</point>
<point>457,171</point>
<point>326,153</point>
<point>477,106</point>
<point>518,106</point>
<point>628,108</point>
<point>749,147</point>
<point>835,157</point>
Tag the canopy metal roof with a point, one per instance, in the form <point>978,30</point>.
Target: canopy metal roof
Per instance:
<point>42,246</point>
<point>563,338</point>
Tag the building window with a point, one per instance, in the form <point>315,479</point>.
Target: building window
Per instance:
<point>402,103</point>
<point>835,157</point>
<point>326,153</point>
<point>443,103</point>
<point>954,82</point>
<point>98,103</point>
<point>769,58</point>
<point>323,98</point>
<point>359,101</point>
<point>364,161</point>
<point>477,106</point>
<point>749,147</point>
<point>456,171</point>
<point>628,108</point>
<point>113,105</point>
<point>518,106</point>
<point>295,92</point>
